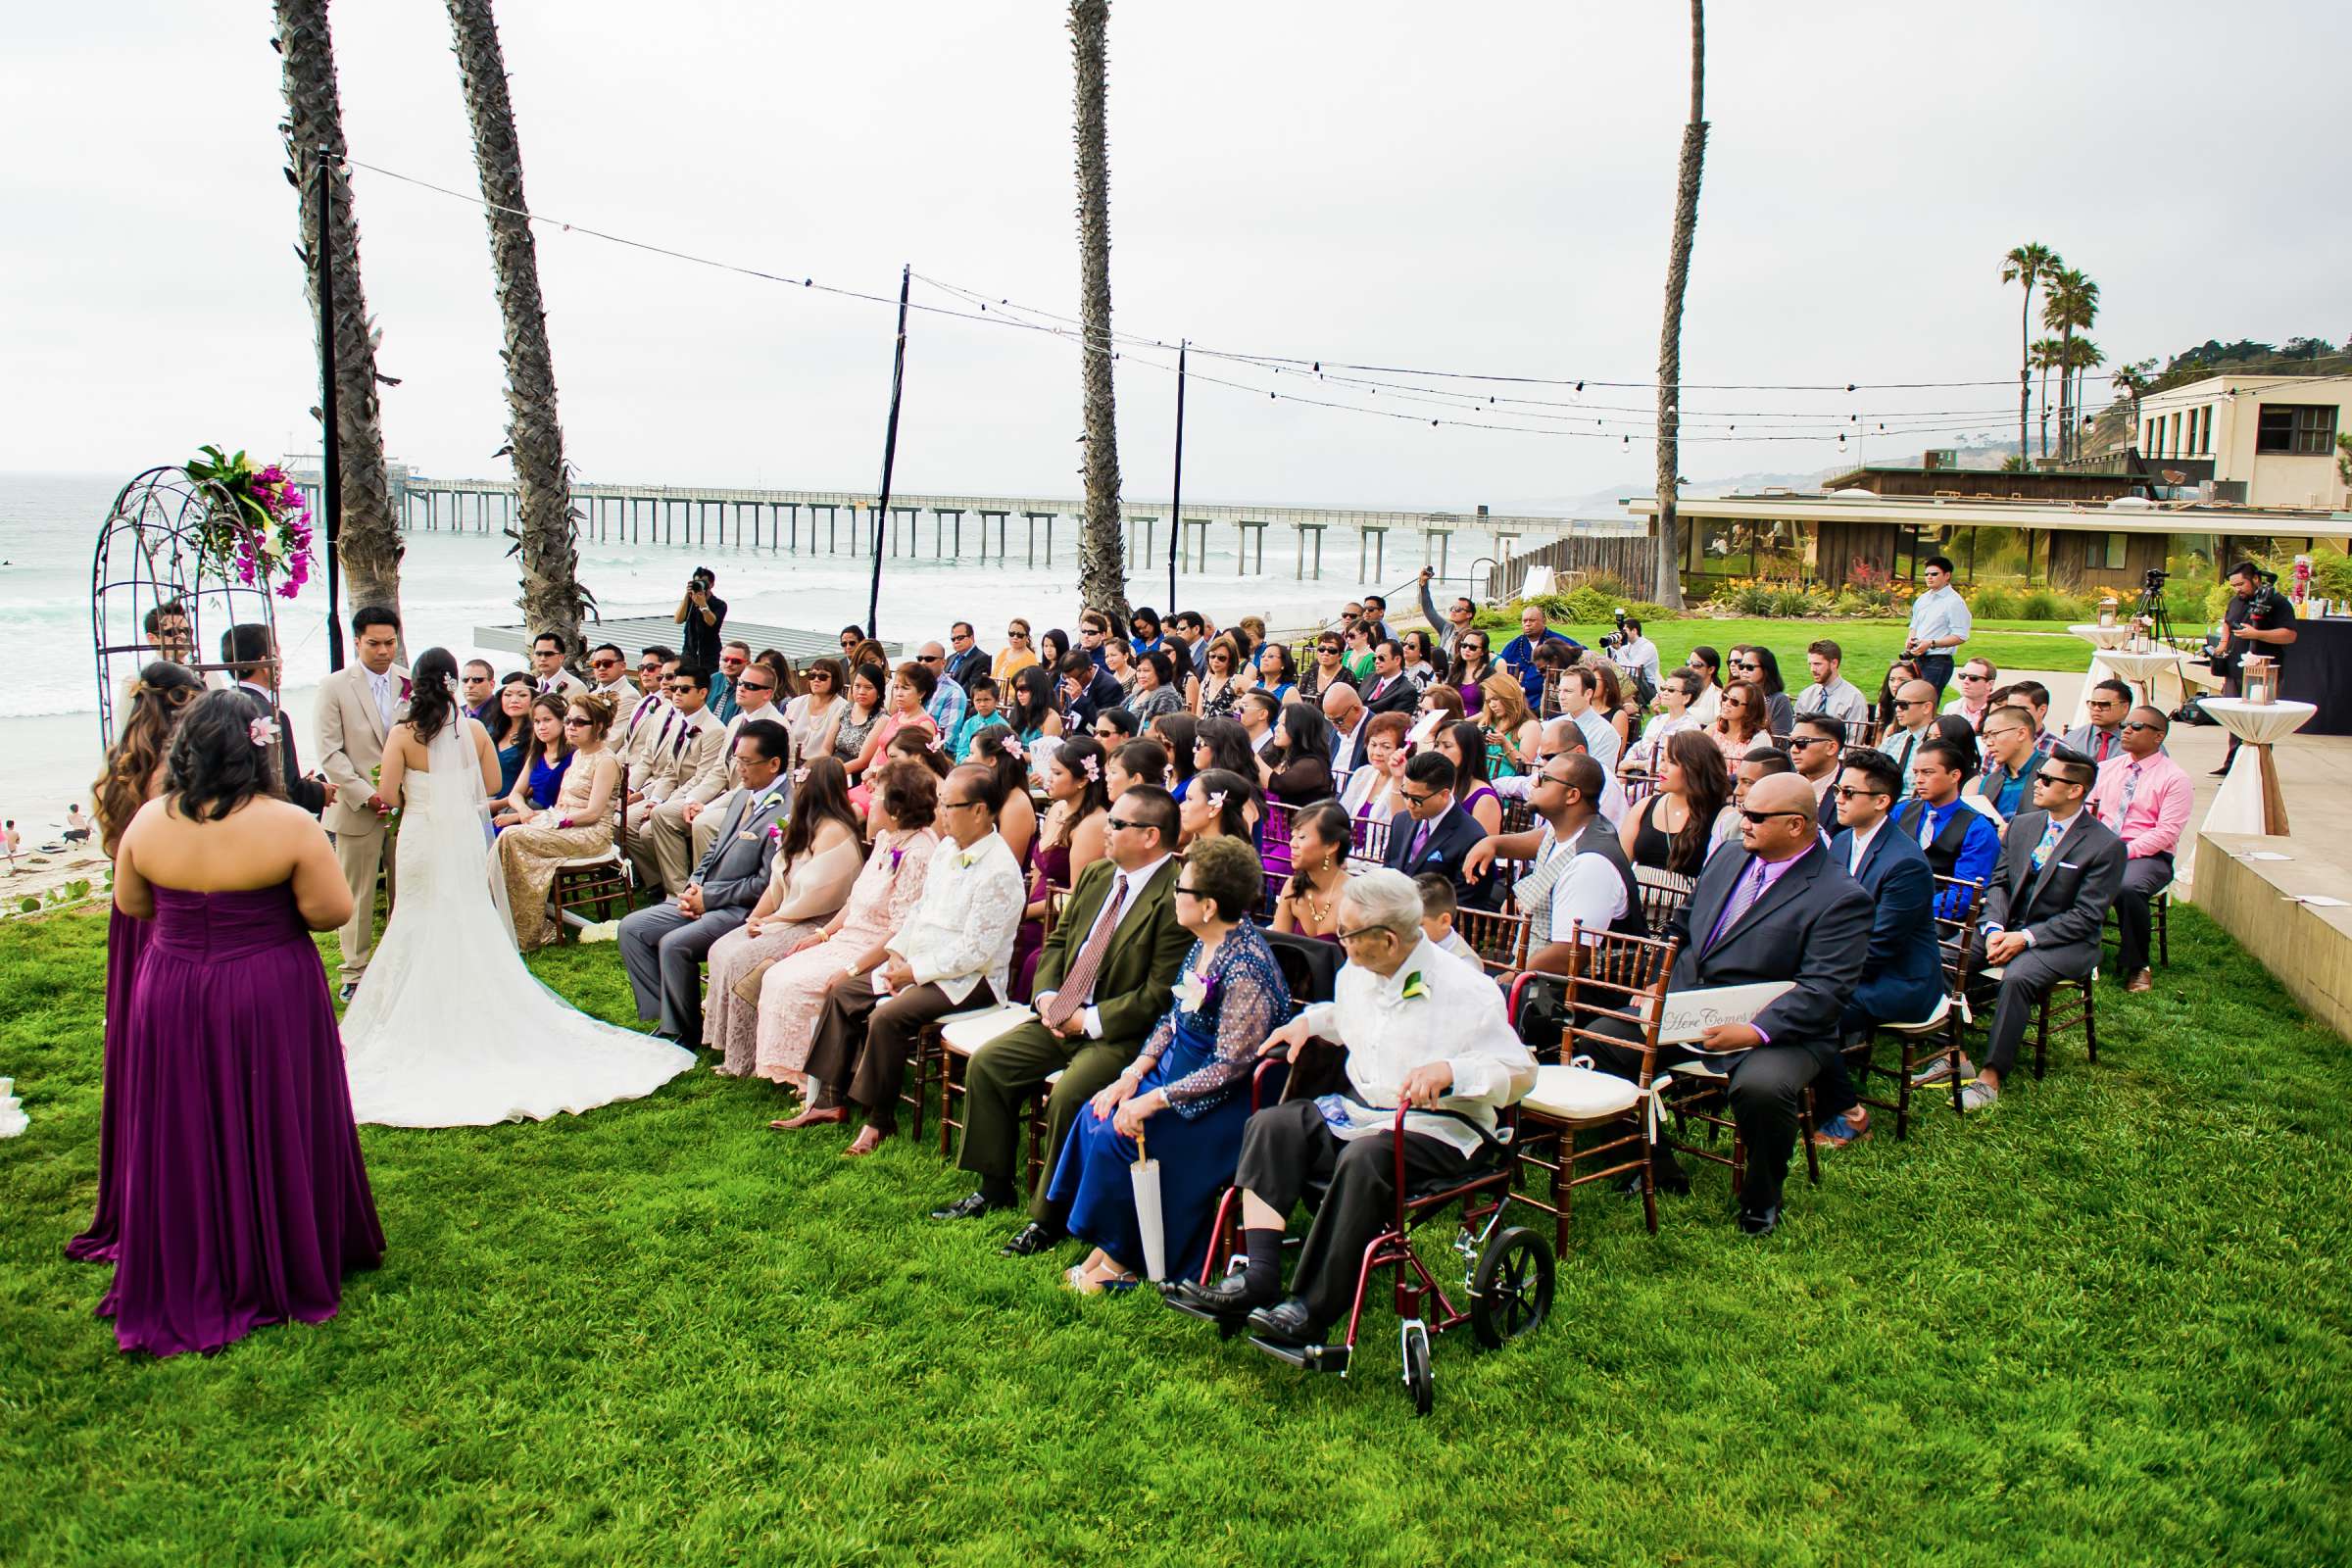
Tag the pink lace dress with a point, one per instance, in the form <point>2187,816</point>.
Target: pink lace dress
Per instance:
<point>793,992</point>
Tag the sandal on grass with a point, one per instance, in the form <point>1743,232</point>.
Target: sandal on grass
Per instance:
<point>1838,1131</point>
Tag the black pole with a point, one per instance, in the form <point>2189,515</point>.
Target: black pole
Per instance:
<point>890,455</point>
<point>1176,504</point>
<point>330,457</point>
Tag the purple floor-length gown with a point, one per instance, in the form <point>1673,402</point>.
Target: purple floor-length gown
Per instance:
<point>243,1201</point>
<point>125,944</point>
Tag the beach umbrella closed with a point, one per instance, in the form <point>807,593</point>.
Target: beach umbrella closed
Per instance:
<point>1146,1175</point>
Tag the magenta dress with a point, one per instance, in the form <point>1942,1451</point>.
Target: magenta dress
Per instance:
<point>125,943</point>
<point>1053,869</point>
<point>242,1197</point>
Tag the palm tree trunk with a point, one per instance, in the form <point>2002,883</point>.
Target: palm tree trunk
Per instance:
<point>369,547</point>
<point>551,600</point>
<point>2025,369</point>
<point>1667,588</point>
<point>2065,393</point>
<point>2045,411</point>
<point>1103,541</point>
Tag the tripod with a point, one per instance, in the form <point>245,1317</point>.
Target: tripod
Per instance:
<point>2151,605</point>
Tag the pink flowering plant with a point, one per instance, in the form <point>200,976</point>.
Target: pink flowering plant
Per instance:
<point>263,530</point>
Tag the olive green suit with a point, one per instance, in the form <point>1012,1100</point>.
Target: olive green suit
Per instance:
<point>1131,990</point>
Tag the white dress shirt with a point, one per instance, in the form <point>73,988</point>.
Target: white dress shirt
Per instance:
<point>1588,889</point>
<point>961,930</point>
<point>1520,786</point>
<point>386,694</point>
<point>1458,1019</point>
<point>1941,613</point>
<point>1089,1017</point>
<point>1638,658</point>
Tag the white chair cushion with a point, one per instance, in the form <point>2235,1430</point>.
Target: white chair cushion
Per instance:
<point>967,1032</point>
<point>1933,1020</point>
<point>590,862</point>
<point>1054,1077</point>
<point>1580,1094</point>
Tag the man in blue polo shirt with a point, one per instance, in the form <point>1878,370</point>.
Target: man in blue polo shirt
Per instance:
<point>1519,653</point>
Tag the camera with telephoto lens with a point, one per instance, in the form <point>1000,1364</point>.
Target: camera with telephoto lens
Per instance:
<point>1617,638</point>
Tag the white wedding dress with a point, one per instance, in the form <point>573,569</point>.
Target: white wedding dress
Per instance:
<point>448,1029</point>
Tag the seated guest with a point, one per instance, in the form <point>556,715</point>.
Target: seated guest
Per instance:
<point>1071,838</point>
<point>1831,695</point>
<point>2100,738</point>
<point>1574,876</point>
<point>2144,797</point>
<point>1760,667</point>
<point>2012,759</point>
<point>1975,701</point>
<point>1303,774</point>
<point>1351,722</point>
<point>576,824</point>
<point>1008,761</point>
<point>983,695</point>
<point>1902,976</point>
<point>1421,1028</point>
<point>2060,871</point>
<point>1438,906</point>
<point>1388,689</point>
<point>1742,722</point>
<point>540,761</point>
<point>508,717</point>
<point>1464,745</point>
<point>816,862</point>
<point>1913,725</point>
<point>1114,728</point>
<point>1759,762</point>
<point>1260,716</point>
<point>1366,794</point>
<point>1959,841</point>
<point>1436,834</point>
<point>1671,831</point>
<point>880,902</point>
<point>1136,762</point>
<point>1102,981</point>
<point>1561,737</point>
<point>1778,908</point>
<point>1310,905</point>
<point>1814,748</point>
<point>950,955</point>
<point>662,947</point>
<point>1220,803</point>
<point>1678,689</point>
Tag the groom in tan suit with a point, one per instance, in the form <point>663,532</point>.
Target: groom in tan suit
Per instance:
<point>357,706</point>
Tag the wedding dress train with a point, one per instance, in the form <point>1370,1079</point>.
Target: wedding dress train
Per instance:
<point>448,1029</point>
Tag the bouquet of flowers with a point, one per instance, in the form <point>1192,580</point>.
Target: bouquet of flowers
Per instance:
<point>258,526</point>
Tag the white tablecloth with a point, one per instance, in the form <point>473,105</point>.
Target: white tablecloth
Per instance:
<point>2237,804</point>
<point>2103,636</point>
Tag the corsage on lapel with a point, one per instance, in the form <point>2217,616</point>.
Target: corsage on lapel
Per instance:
<point>1194,991</point>
<point>1414,986</point>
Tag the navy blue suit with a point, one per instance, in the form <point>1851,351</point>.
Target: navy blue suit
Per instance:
<point>1450,838</point>
<point>1902,976</point>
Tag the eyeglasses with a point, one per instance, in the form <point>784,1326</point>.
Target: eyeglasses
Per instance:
<point>1553,778</point>
<point>1419,800</point>
<point>1327,647</point>
<point>1759,818</point>
<point>2135,723</point>
<point>957,806</point>
<point>1106,732</point>
<point>1362,931</point>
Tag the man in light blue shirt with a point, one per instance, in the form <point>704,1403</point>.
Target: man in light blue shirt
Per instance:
<point>1939,624</point>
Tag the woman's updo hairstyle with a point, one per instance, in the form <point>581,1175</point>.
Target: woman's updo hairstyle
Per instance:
<point>213,765</point>
<point>600,710</point>
<point>432,693</point>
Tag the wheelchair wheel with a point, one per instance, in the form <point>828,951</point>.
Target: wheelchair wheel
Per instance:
<point>1418,1380</point>
<point>1511,1293</point>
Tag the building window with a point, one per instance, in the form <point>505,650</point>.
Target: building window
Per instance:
<point>2299,428</point>
<point>2104,552</point>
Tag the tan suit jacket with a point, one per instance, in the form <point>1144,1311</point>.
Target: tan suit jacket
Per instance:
<point>563,682</point>
<point>707,788</point>
<point>351,734</point>
<point>680,760</point>
<point>634,734</point>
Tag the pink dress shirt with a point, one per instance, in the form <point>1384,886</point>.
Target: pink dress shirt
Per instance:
<point>2145,802</point>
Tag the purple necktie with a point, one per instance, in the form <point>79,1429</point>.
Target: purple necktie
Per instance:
<point>1743,899</point>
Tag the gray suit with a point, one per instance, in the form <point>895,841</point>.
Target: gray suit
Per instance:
<point>2061,907</point>
<point>664,948</point>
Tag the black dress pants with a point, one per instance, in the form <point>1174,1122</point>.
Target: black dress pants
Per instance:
<point>1766,1095</point>
<point>864,1041</point>
<point>2143,878</point>
<point>1286,1147</point>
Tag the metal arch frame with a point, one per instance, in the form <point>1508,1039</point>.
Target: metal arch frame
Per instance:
<point>150,551</point>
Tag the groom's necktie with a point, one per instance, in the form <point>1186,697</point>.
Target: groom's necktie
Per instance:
<point>1079,983</point>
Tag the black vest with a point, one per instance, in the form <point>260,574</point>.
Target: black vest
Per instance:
<point>1943,851</point>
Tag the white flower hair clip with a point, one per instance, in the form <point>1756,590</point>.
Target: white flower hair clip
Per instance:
<point>260,732</point>
<point>1092,767</point>
<point>939,741</point>
<point>800,774</point>
<point>1012,746</point>
<point>1216,800</point>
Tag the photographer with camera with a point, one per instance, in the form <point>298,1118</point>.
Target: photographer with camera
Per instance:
<point>1939,624</point>
<point>1634,654</point>
<point>2258,619</point>
<point>702,613</point>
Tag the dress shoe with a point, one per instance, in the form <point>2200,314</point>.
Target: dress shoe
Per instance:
<point>1033,1239</point>
<point>344,994</point>
<point>2146,980</point>
<point>1673,1181</point>
<point>1759,1221</point>
<point>971,1208</point>
<point>1229,1297</point>
<point>1290,1323</point>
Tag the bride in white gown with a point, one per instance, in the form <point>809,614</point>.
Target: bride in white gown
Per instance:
<point>448,1029</point>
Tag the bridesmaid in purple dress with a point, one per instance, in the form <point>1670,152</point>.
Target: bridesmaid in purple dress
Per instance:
<point>133,777</point>
<point>243,1200</point>
<point>1073,838</point>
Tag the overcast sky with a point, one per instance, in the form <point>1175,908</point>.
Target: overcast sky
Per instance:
<point>1482,187</point>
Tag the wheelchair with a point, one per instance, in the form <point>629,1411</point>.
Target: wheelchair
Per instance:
<point>1507,1269</point>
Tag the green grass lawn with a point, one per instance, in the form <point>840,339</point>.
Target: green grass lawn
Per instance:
<point>2105,1323</point>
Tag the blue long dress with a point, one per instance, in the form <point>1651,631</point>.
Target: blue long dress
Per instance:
<point>1202,1057</point>
<point>547,782</point>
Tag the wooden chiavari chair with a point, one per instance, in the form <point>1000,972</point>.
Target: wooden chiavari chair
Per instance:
<point>1938,1035</point>
<point>1498,940</point>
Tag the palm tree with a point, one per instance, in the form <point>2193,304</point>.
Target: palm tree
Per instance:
<point>2082,356</point>
<point>368,543</point>
<point>552,598</point>
<point>2070,301</point>
<point>2025,264</point>
<point>1667,588</point>
<point>2046,355</point>
<point>1102,542</point>
<point>2135,381</point>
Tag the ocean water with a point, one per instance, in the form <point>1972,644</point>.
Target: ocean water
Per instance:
<point>51,747</point>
